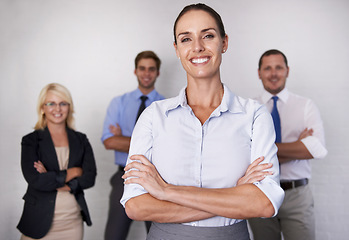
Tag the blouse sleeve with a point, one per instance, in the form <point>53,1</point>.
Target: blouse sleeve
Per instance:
<point>263,138</point>
<point>141,143</point>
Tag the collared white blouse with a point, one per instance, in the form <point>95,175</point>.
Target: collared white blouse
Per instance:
<point>213,155</point>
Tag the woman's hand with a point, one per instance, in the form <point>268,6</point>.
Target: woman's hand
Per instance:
<point>256,172</point>
<point>39,167</point>
<point>65,188</point>
<point>144,173</point>
<point>72,173</point>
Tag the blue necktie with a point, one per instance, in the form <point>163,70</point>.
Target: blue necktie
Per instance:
<point>276,120</point>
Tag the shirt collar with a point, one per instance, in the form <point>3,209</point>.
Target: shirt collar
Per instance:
<point>229,102</point>
<point>151,96</point>
<point>283,95</point>
<point>180,100</point>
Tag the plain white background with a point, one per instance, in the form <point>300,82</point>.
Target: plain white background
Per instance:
<point>90,45</point>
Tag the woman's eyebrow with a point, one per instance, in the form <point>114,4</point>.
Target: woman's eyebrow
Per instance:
<point>183,33</point>
<point>208,29</point>
<point>203,30</point>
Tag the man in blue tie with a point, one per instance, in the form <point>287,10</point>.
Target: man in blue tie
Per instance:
<point>122,114</point>
<point>299,138</point>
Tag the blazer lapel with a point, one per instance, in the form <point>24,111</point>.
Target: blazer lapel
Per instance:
<point>73,147</point>
<point>47,150</point>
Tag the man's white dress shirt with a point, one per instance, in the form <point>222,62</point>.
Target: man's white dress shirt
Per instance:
<point>296,114</point>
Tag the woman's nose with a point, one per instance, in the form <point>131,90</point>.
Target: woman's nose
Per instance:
<point>198,45</point>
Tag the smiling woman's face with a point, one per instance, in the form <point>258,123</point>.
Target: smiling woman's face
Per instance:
<point>56,109</point>
<point>199,44</point>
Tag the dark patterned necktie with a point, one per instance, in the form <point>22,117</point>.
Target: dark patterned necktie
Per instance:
<point>142,106</point>
<point>276,119</point>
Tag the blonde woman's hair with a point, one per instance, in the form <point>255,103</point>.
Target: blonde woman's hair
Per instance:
<point>60,91</point>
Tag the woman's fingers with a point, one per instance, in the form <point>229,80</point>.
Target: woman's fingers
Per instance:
<point>139,164</point>
<point>256,172</point>
<point>139,161</point>
<point>257,176</point>
<point>39,166</point>
<point>130,174</point>
<point>256,166</point>
<point>254,163</point>
<point>254,177</point>
<point>141,158</point>
<point>143,172</point>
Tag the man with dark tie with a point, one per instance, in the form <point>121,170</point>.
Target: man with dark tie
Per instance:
<point>299,138</point>
<point>122,114</point>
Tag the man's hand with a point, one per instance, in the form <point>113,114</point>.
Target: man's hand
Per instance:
<point>294,150</point>
<point>305,133</point>
<point>115,130</point>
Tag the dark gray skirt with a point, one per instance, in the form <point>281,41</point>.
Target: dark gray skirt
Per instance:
<point>171,231</point>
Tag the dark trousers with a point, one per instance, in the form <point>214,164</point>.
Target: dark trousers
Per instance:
<point>118,223</point>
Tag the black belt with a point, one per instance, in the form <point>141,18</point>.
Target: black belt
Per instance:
<point>293,184</point>
<point>121,169</point>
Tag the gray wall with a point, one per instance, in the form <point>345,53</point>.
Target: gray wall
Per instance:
<point>89,46</point>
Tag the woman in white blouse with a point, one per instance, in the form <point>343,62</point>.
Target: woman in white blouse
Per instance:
<point>189,154</point>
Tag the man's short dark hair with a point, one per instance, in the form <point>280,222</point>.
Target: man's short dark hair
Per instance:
<point>272,52</point>
<point>145,55</point>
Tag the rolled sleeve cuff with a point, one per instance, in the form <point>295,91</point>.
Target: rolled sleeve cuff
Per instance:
<point>130,191</point>
<point>314,146</point>
<point>106,136</point>
<point>273,191</point>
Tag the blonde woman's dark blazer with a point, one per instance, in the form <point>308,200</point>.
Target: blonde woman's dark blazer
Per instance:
<point>40,196</point>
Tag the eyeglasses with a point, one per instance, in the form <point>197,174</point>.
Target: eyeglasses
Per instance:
<point>54,105</point>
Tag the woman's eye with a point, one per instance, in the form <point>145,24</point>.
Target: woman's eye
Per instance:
<point>209,36</point>
<point>185,40</point>
<point>51,104</point>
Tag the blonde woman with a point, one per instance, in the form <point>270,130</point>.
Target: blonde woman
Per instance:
<point>58,164</point>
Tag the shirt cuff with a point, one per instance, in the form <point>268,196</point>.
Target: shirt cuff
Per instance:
<point>74,186</point>
<point>60,178</point>
<point>130,191</point>
<point>273,191</point>
<point>314,146</point>
<point>106,136</point>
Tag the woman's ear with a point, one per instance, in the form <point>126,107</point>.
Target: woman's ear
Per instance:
<point>225,43</point>
<point>175,46</point>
